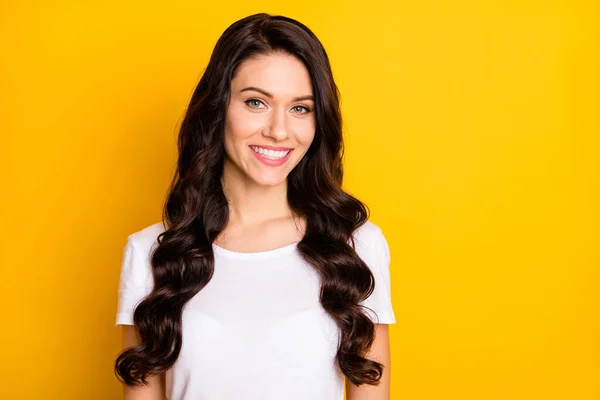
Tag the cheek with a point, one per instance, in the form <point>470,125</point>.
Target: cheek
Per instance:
<point>306,133</point>
<point>239,125</point>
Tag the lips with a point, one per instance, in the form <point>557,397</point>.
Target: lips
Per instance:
<point>277,158</point>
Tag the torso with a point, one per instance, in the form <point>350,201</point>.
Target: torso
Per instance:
<point>257,330</point>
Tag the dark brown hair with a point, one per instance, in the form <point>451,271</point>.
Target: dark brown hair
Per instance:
<point>196,209</point>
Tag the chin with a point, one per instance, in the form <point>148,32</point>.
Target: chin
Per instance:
<point>270,181</point>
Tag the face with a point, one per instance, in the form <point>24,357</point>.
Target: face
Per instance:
<point>270,121</point>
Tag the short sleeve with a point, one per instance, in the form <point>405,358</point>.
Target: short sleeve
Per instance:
<point>376,254</point>
<point>135,282</point>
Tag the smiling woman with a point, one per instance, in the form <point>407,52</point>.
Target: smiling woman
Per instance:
<point>264,279</point>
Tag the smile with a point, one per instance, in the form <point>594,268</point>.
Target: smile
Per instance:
<point>270,154</point>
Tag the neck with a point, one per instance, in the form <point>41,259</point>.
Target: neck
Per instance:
<point>251,203</point>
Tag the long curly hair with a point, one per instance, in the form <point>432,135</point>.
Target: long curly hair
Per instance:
<point>196,209</point>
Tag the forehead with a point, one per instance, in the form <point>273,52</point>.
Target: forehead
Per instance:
<point>282,74</point>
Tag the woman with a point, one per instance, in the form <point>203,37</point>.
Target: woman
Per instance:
<point>265,280</point>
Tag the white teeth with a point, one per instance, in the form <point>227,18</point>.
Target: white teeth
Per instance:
<point>272,154</point>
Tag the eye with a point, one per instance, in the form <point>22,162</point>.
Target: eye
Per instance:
<point>254,103</point>
<point>301,109</point>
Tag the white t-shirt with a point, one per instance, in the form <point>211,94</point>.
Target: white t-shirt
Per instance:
<point>257,330</point>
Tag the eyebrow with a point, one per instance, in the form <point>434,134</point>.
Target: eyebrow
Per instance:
<point>301,98</point>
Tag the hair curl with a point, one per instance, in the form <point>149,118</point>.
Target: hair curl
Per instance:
<point>196,209</point>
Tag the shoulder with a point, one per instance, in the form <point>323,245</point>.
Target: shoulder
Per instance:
<point>368,235</point>
<point>145,240</point>
<point>371,245</point>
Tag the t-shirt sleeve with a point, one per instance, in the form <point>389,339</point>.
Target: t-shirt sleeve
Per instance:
<point>135,282</point>
<point>376,255</point>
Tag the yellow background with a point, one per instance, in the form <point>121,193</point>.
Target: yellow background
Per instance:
<point>472,132</point>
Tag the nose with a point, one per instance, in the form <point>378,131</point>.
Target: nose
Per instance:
<point>276,126</point>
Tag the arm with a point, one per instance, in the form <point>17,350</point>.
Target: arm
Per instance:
<point>155,390</point>
<point>380,352</point>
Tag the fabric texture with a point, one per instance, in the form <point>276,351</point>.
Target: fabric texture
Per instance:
<point>257,330</point>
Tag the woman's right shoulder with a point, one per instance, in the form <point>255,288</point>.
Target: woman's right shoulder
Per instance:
<point>146,239</point>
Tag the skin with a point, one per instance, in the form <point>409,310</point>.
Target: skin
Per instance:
<point>380,352</point>
<point>155,390</point>
<point>277,110</point>
<point>270,114</point>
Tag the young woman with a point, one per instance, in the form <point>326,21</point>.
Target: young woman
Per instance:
<point>264,280</point>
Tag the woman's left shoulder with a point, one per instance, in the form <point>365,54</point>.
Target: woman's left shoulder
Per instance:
<point>368,235</point>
